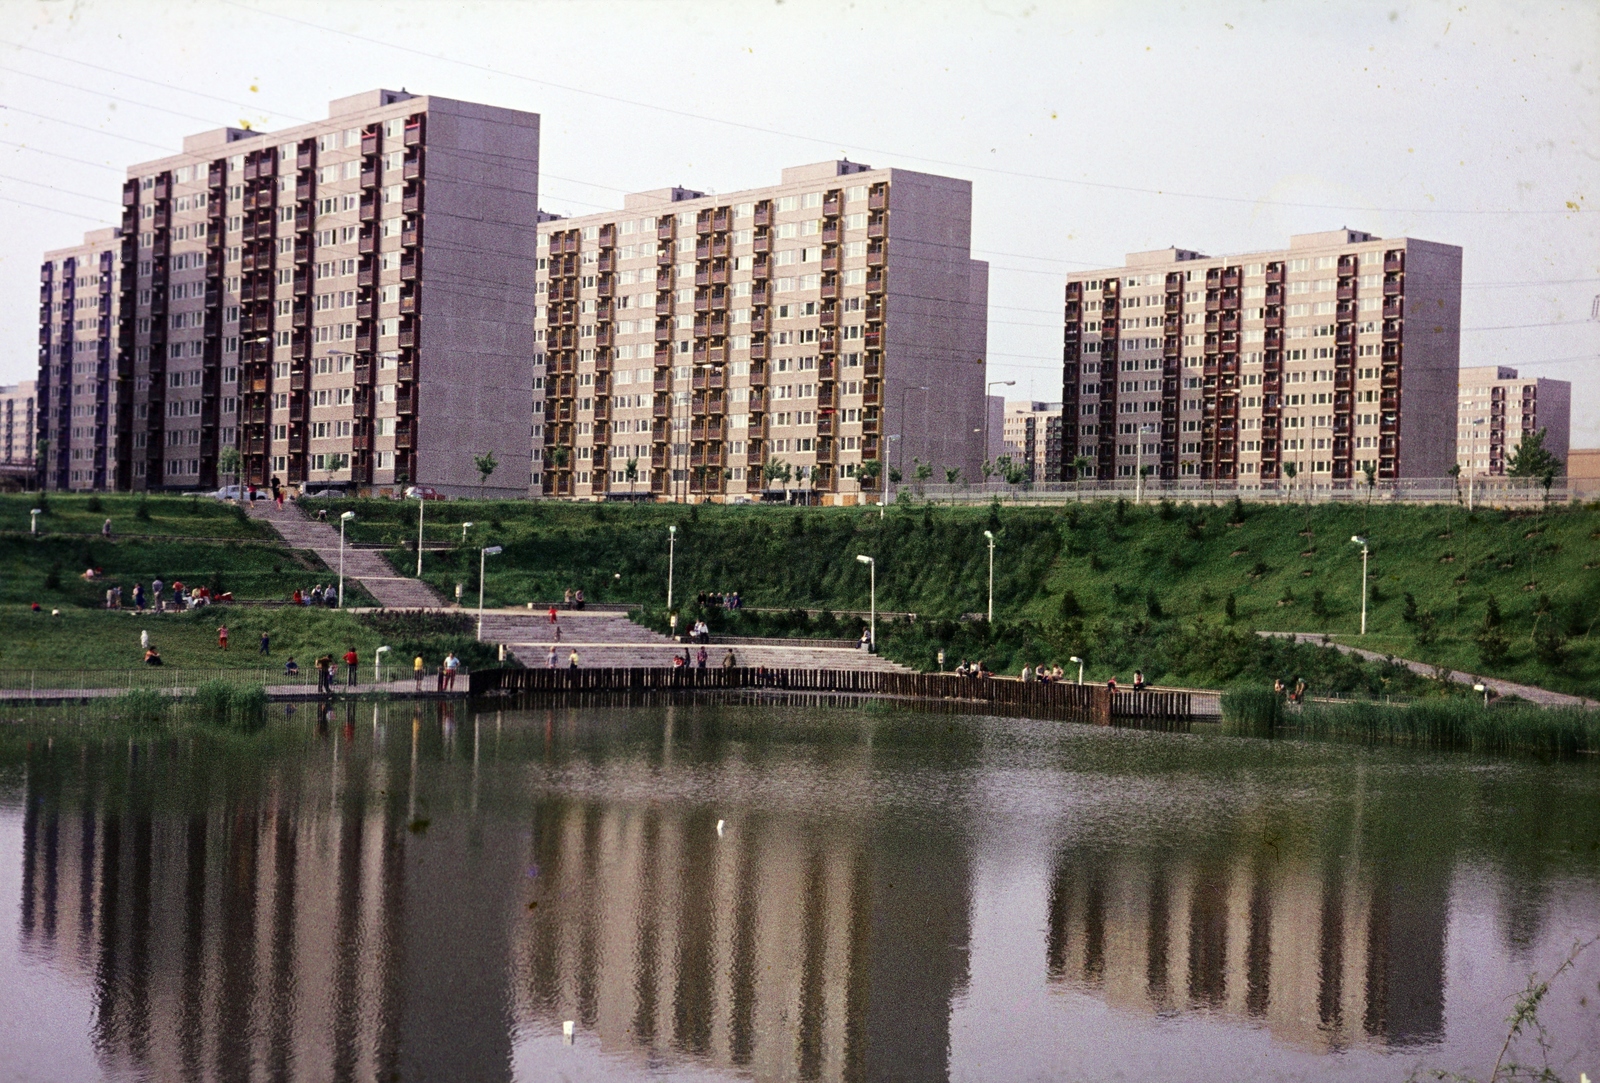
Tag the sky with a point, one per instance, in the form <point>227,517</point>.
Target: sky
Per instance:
<point>1088,130</point>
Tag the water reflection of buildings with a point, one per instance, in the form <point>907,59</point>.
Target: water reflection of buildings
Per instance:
<point>1324,952</point>
<point>320,919</point>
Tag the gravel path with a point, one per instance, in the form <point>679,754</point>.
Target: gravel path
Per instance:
<point>1541,696</point>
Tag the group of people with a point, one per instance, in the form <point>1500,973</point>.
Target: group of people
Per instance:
<point>550,657</point>
<point>156,600</point>
<point>317,595</point>
<point>700,632</point>
<point>1294,691</point>
<point>572,599</point>
<point>255,494</point>
<point>701,660</point>
<point>720,599</point>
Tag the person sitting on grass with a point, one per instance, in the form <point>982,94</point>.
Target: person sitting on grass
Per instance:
<point>291,668</point>
<point>152,657</point>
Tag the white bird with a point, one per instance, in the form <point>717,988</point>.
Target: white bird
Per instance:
<point>719,827</point>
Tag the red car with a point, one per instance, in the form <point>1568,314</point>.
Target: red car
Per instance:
<point>423,492</point>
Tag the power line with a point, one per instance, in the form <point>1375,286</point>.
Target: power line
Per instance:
<point>869,150</point>
<point>56,210</point>
<point>113,97</point>
<point>53,188</point>
<point>147,79</point>
<point>64,157</point>
<point>85,127</point>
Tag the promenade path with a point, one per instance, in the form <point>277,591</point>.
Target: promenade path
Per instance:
<point>1542,696</point>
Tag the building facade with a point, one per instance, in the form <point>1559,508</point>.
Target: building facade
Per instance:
<point>1498,408</point>
<point>1336,354</point>
<point>76,387</point>
<point>699,347</point>
<point>1033,438</point>
<point>19,414</point>
<point>348,302</point>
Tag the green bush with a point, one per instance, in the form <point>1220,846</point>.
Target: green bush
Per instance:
<point>141,706</point>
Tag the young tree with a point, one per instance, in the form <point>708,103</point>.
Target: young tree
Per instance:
<point>924,471</point>
<point>631,472</point>
<point>486,464</point>
<point>1081,468</point>
<point>228,462</point>
<point>869,472</point>
<point>895,475</point>
<point>952,475</point>
<point>1531,459</point>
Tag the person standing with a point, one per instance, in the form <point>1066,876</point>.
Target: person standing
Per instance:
<point>572,659</point>
<point>452,664</point>
<point>138,597</point>
<point>105,529</point>
<point>144,640</point>
<point>417,669</point>
<point>728,661</point>
<point>700,659</point>
<point>222,637</point>
<point>552,614</point>
<point>550,658</point>
<point>266,643</point>
<point>325,675</point>
<point>156,587</point>
<point>350,661</point>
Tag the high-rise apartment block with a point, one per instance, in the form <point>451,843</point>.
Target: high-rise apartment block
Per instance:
<point>705,347</point>
<point>1498,408</point>
<point>18,416</point>
<point>1033,438</point>
<point>346,302</point>
<point>1336,354</point>
<point>76,390</point>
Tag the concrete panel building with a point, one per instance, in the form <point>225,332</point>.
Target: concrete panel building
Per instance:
<point>1335,354</point>
<point>348,302</point>
<point>76,389</point>
<point>1033,437</point>
<point>700,347</point>
<point>18,418</point>
<point>1498,408</point>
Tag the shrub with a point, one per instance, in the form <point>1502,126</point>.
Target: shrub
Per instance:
<point>93,504</point>
<point>142,706</point>
<point>142,512</point>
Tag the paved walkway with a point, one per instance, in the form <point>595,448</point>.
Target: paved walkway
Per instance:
<point>611,640</point>
<point>1541,696</point>
<point>366,566</point>
<point>305,690</point>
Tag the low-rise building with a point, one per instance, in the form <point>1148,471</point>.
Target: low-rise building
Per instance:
<point>1033,438</point>
<point>18,418</point>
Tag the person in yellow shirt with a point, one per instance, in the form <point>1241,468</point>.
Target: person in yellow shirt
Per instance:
<point>416,671</point>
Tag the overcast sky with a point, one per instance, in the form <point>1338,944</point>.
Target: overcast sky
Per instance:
<point>1088,130</point>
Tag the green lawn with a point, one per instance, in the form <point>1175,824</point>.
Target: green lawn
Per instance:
<point>102,648</point>
<point>197,542</point>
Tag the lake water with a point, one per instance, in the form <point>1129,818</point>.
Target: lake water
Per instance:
<point>780,893</point>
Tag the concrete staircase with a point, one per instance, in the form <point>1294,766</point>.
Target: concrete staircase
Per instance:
<point>607,640</point>
<point>367,566</point>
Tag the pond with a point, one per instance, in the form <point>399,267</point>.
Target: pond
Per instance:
<point>780,892</point>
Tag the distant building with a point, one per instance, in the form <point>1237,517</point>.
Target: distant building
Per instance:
<point>18,417</point>
<point>1583,472</point>
<point>1033,437</point>
<point>1338,352</point>
<point>77,389</point>
<point>702,347</point>
<point>1497,408</point>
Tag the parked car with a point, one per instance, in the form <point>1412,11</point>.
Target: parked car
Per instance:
<point>423,492</point>
<point>326,494</point>
<point>229,492</point>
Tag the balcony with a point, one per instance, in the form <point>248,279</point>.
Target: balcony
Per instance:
<point>878,197</point>
<point>1394,261</point>
<point>410,266</point>
<point>413,164</point>
<point>764,213</point>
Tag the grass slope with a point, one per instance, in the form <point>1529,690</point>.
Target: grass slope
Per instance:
<point>196,541</point>
<point>1118,584</point>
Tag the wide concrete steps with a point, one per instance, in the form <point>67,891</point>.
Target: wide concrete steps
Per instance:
<point>368,567</point>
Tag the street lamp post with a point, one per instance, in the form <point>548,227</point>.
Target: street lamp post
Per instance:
<point>1078,660</point>
<point>376,655</point>
<point>990,535</point>
<point>483,554</point>
<point>984,457</point>
<point>872,613</point>
<point>672,549</point>
<point>33,519</point>
<point>465,527</point>
<point>421,503</point>
<point>1359,540</point>
<point>1138,460</point>
<point>343,519</point>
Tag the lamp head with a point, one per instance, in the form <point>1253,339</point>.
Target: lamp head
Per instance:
<point>863,558</point>
<point>1075,658</point>
<point>347,516</point>
<point>468,523</point>
<point>989,534</point>
<point>672,529</point>
<point>382,649</point>
<point>493,551</point>
<point>1358,539</point>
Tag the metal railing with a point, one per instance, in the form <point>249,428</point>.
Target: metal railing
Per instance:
<point>90,681</point>
<point>1478,492</point>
